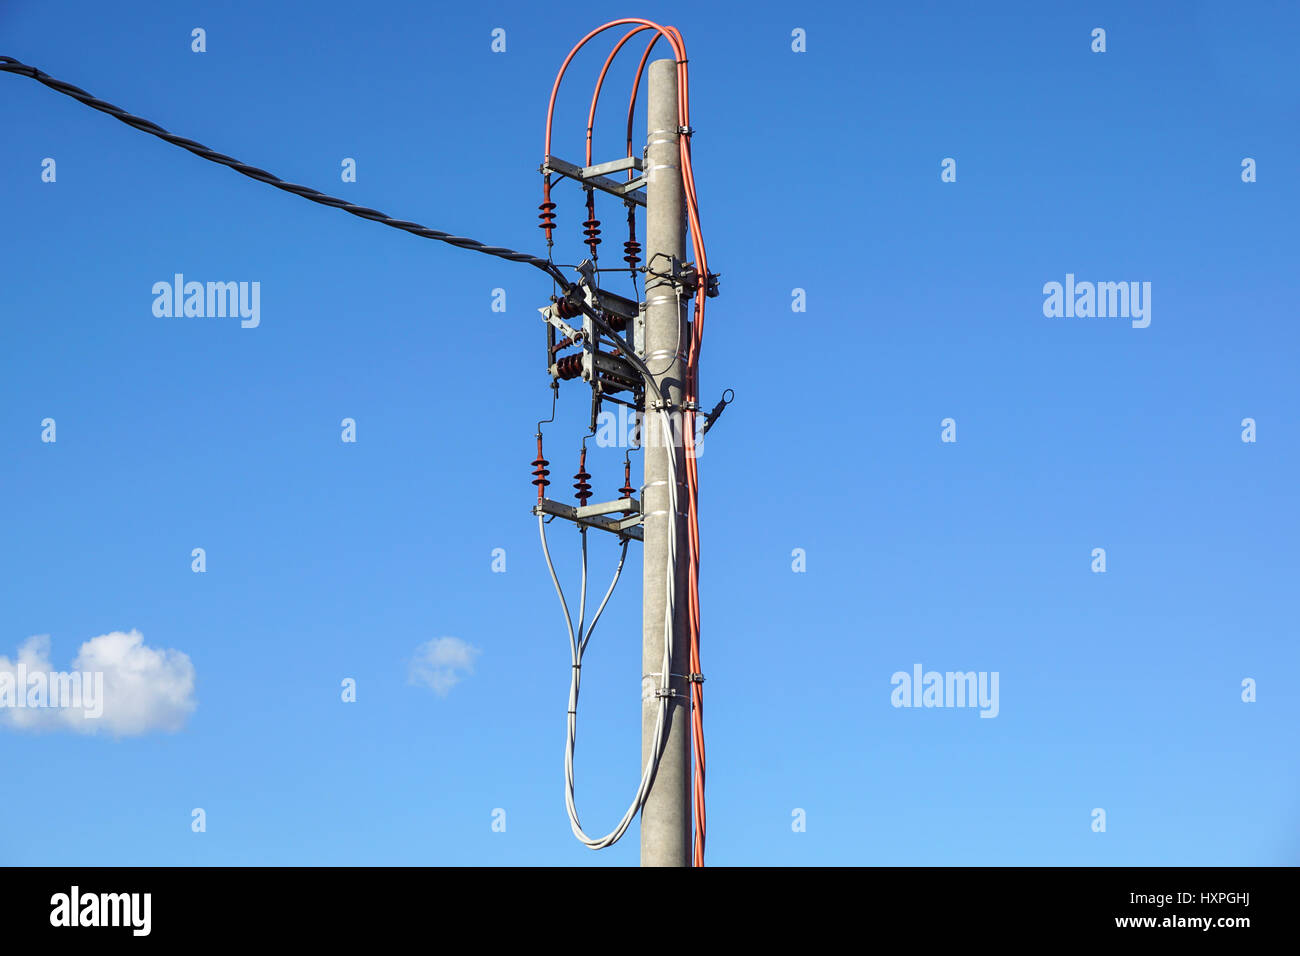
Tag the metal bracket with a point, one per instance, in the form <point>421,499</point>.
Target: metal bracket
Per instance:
<point>590,176</point>
<point>594,516</point>
<point>613,166</point>
<point>663,405</point>
<point>548,314</point>
<point>689,277</point>
<point>597,364</point>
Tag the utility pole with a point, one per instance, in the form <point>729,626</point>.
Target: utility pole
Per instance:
<point>666,815</point>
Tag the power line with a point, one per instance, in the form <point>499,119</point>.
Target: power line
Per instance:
<point>10,65</point>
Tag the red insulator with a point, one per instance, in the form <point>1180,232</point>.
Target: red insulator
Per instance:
<point>540,470</point>
<point>547,207</point>
<point>631,248</point>
<point>570,366</point>
<point>547,218</point>
<point>591,228</point>
<point>627,489</point>
<point>566,309</point>
<point>583,482</point>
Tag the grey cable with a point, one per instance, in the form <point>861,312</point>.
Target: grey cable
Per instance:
<point>577,645</point>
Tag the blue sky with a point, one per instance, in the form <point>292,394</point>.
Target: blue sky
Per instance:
<point>817,171</point>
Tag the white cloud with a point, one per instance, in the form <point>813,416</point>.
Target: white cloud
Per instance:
<point>144,689</point>
<point>442,662</point>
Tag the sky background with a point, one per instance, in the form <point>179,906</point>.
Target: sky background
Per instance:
<point>817,171</point>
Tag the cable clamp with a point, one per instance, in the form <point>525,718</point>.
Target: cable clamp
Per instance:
<point>685,130</point>
<point>695,678</point>
<point>689,278</point>
<point>663,405</point>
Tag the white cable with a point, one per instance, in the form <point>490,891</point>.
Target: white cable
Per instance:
<point>578,644</point>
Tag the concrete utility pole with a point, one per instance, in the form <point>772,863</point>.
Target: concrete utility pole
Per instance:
<point>666,815</point>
